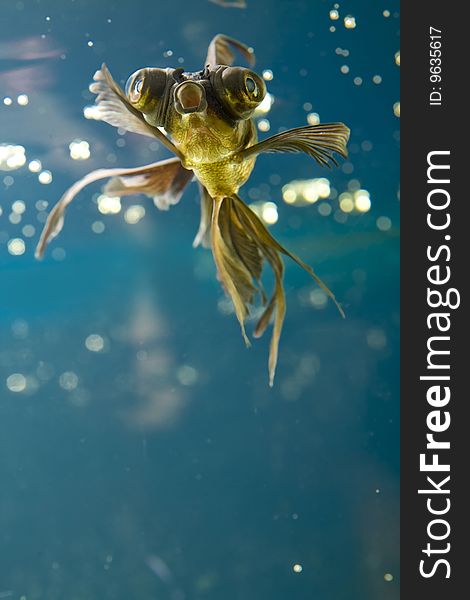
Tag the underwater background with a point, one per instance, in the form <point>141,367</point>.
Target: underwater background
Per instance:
<point>142,453</point>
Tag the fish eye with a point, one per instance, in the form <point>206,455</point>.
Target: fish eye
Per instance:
<point>251,86</point>
<point>239,90</point>
<point>146,87</point>
<point>136,90</point>
<point>135,86</point>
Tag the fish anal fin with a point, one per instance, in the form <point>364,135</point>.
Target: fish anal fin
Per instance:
<point>204,232</point>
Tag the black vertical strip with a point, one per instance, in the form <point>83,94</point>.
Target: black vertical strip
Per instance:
<point>426,128</point>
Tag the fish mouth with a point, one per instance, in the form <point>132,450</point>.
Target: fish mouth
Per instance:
<point>190,97</point>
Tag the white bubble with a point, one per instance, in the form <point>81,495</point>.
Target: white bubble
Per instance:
<point>187,375</point>
<point>18,207</point>
<point>313,118</point>
<point>28,231</point>
<point>14,218</point>
<point>324,209</point>
<point>383,223</point>
<point>16,382</point>
<point>94,342</point>
<point>79,150</point>
<point>98,227</point>
<point>269,213</point>
<point>362,200</point>
<point>264,125</point>
<point>134,214</point>
<point>68,380</point>
<point>346,202</point>
<point>45,177</point>
<point>23,99</point>
<point>268,75</point>
<point>16,246</point>
<point>109,205</point>
<point>11,157</point>
<point>318,298</point>
<point>35,166</point>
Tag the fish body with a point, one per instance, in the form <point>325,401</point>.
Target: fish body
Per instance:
<point>206,119</point>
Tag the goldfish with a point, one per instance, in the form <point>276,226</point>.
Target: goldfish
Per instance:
<point>205,118</point>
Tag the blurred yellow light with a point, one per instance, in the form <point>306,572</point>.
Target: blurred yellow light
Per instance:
<point>79,150</point>
<point>134,214</point>
<point>311,193</point>
<point>289,195</point>
<point>35,166</point>
<point>45,177</point>
<point>362,200</point>
<point>16,246</point>
<point>11,157</point>
<point>349,22</point>
<point>346,202</point>
<point>264,125</point>
<point>109,205</point>
<point>313,118</point>
<point>269,213</point>
<point>265,105</point>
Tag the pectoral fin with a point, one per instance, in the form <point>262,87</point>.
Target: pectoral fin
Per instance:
<point>163,180</point>
<point>318,141</point>
<point>164,183</point>
<point>115,109</point>
<point>220,51</point>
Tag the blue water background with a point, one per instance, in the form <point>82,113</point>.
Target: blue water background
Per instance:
<point>163,467</point>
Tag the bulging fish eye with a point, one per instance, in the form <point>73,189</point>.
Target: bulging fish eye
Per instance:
<point>135,89</point>
<point>251,86</point>
<point>146,87</point>
<point>240,90</point>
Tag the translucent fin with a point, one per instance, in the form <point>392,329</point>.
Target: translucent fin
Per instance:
<point>224,265</point>
<point>318,141</point>
<point>163,177</point>
<point>203,234</point>
<point>165,183</point>
<point>115,109</point>
<point>268,239</point>
<point>220,51</point>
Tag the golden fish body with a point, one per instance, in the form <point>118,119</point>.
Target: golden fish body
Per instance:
<point>209,143</point>
<point>208,119</point>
